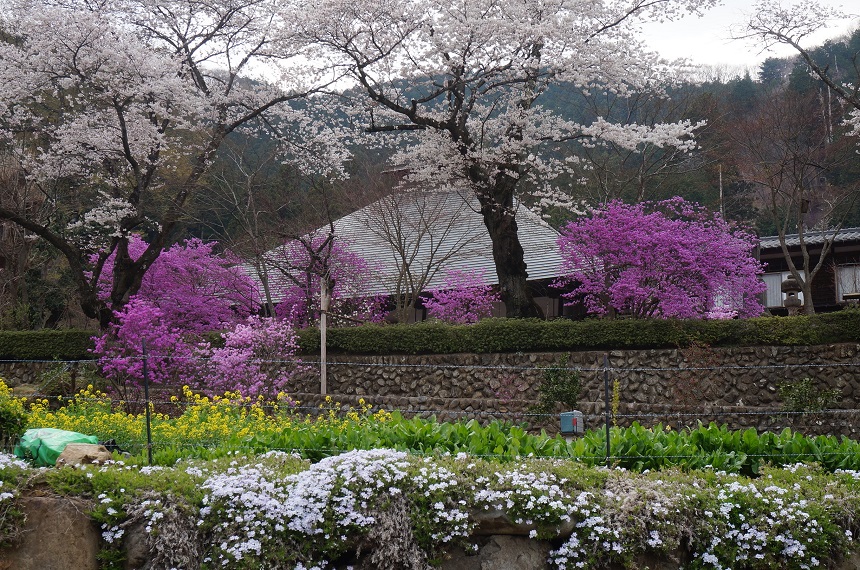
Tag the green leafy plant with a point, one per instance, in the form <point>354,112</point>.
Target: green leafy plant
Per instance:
<point>806,396</point>
<point>560,385</point>
<point>212,429</point>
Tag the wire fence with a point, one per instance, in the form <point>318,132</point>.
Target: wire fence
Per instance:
<point>740,396</point>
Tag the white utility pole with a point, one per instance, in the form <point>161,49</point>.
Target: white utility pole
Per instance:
<point>325,300</point>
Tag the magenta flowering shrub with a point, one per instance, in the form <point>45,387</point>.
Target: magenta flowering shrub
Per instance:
<point>189,291</point>
<point>193,285</point>
<point>171,352</point>
<point>463,299</point>
<point>258,358</point>
<point>303,266</point>
<point>669,259</point>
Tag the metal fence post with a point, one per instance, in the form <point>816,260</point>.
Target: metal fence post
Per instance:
<point>606,403</point>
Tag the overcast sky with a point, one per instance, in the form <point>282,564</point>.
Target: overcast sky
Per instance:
<point>708,40</point>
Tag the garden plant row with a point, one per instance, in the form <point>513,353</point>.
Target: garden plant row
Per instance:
<point>212,427</point>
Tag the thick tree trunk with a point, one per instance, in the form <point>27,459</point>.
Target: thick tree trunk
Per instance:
<point>93,307</point>
<point>508,256</point>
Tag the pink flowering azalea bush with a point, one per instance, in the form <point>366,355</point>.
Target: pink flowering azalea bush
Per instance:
<point>303,266</point>
<point>188,292</point>
<point>669,259</point>
<point>463,299</point>
<point>171,352</point>
<point>258,357</point>
<point>194,287</point>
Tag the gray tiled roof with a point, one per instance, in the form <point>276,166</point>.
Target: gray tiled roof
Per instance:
<point>453,228</point>
<point>811,238</point>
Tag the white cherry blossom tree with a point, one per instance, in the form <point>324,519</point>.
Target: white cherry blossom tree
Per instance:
<point>114,110</point>
<point>463,81</point>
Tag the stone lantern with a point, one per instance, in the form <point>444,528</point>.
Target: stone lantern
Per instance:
<point>792,302</point>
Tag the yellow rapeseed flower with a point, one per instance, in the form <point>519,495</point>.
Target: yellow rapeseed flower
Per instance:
<point>203,421</point>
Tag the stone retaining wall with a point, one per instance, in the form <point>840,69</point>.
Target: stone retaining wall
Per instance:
<point>22,373</point>
<point>736,376</point>
<point>737,385</point>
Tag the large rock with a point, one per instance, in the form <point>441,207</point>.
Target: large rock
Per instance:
<point>83,454</point>
<point>502,553</point>
<point>496,521</point>
<point>138,551</point>
<point>852,562</point>
<point>57,535</point>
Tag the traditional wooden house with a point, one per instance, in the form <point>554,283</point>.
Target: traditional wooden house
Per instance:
<point>836,284</point>
<point>411,239</point>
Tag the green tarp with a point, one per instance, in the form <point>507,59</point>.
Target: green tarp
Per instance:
<point>44,445</point>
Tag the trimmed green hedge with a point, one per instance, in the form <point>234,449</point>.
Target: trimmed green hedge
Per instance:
<point>532,335</point>
<point>69,344</point>
<point>506,335</point>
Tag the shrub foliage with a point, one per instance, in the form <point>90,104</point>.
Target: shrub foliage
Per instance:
<point>531,335</point>
<point>70,344</point>
<point>507,335</point>
<point>395,510</point>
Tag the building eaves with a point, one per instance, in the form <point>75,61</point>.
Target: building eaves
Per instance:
<point>811,238</point>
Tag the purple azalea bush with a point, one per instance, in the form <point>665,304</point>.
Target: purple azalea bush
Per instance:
<point>191,292</point>
<point>463,299</point>
<point>668,259</point>
<point>258,357</point>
